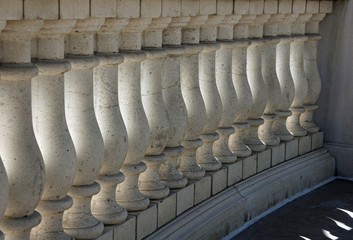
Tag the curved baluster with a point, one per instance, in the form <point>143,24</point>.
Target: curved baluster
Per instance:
<point>19,149</point>
<point>106,104</point>
<point>51,130</point>
<point>4,193</point>
<point>81,120</point>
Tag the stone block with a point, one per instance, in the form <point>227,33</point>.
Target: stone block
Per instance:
<point>312,6</point>
<point>166,209</point>
<point>202,189</point>
<point>242,7</point>
<point>128,8</point>
<point>304,144</point>
<point>317,140</point>
<point>219,180</point>
<point>11,9</point>
<point>190,7</point>
<point>126,230</point>
<point>224,7</point>
<point>107,235</point>
<point>185,198</point>
<point>249,166</point>
<point>151,8</point>
<point>326,6</point>
<point>208,7</point>
<point>146,221</point>
<point>235,172</point>
<point>291,149</point>
<point>39,9</point>
<point>264,160</point>
<point>171,8</point>
<point>278,154</point>
<point>103,8</point>
<point>74,9</point>
<point>299,6</point>
<point>271,6</point>
<point>285,6</point>
<point>257,7</point>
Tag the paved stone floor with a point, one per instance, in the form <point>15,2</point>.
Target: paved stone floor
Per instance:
<point>325,213</point>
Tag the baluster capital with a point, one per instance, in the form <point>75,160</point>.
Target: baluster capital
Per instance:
<point>153,34</point>
<point>131,35</point>
<point>191,32</point>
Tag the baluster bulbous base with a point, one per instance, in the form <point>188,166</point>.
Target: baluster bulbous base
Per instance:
<point>204,154</point>
<point>19,228</point>
<point>306,119</point>
<point>52,216</point>
<point>187,162</point>
<point>251,136</point>
<point>236,140</point>
<point>279,126</point>
<point>265,131</point>
<point>104,205</point>
<point>149,181</point>
<point>128,194</point>
<point>293,123</point>
<point>169,173</point>
<point>78,220</point>
<point>221,148</point>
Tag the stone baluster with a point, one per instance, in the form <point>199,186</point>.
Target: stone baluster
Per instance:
<point>298,75</point>
<point>106,104</point>
<point>226,89</point>
<point>19,150</point>
<point>273,89</point>
<point>312,73</point>
<point>241,85</point>
<point>151,89</point>
<point>4,193</point>
<point>81,120</point>
<point>284,78</point>
<point>189,80</point>
<point>128,194</point>
<point>51,130</point>
<point>210,95</point>
<point>175,106</point>
<point>256,82</point>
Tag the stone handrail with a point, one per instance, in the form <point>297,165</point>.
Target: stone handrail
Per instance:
<point>111,110</point>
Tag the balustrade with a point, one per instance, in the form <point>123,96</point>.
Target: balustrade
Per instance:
<point>111,112</point>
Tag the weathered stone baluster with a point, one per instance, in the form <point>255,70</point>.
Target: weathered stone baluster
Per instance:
<point>19,149</point>
<point>256,82</point>
<point>81,120</point>
<point>226,90</point>
<point>268,67</point>
<point>242,87</point>
<point>189,80</point>
<point>312,73</point>
<point>284,78</point>
<point>210,95</point>
<point>174,103</point>
<point>298,75</point>
<point>151,89</point>
<point>128,194</point>
<point>51,130</point>
<point>106,104</point>
<point>4,193</point>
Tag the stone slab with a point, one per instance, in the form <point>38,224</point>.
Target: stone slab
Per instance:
<point>304,144</point>
<point>151,8</point>
<point>171,8</point>
<point>278,154</point>
<point>208,7</point>
<point>103,8</point>
<point>291,149</point>
<point>107,235</point>
<point>11,9</point>
<point>317,140</point>
<point>35,9</point>
<point>285,6</point>
<point>128,8</point>
<point>235,172</point>
<point>219,180</point>
<point>126,230</point>
<point>166,209</point>
<point>185,198</point>
<point>202,189</point>
<point>264,160</point>
<point>74,9</point>
<point>146,221</point>
<point>249,166</point>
